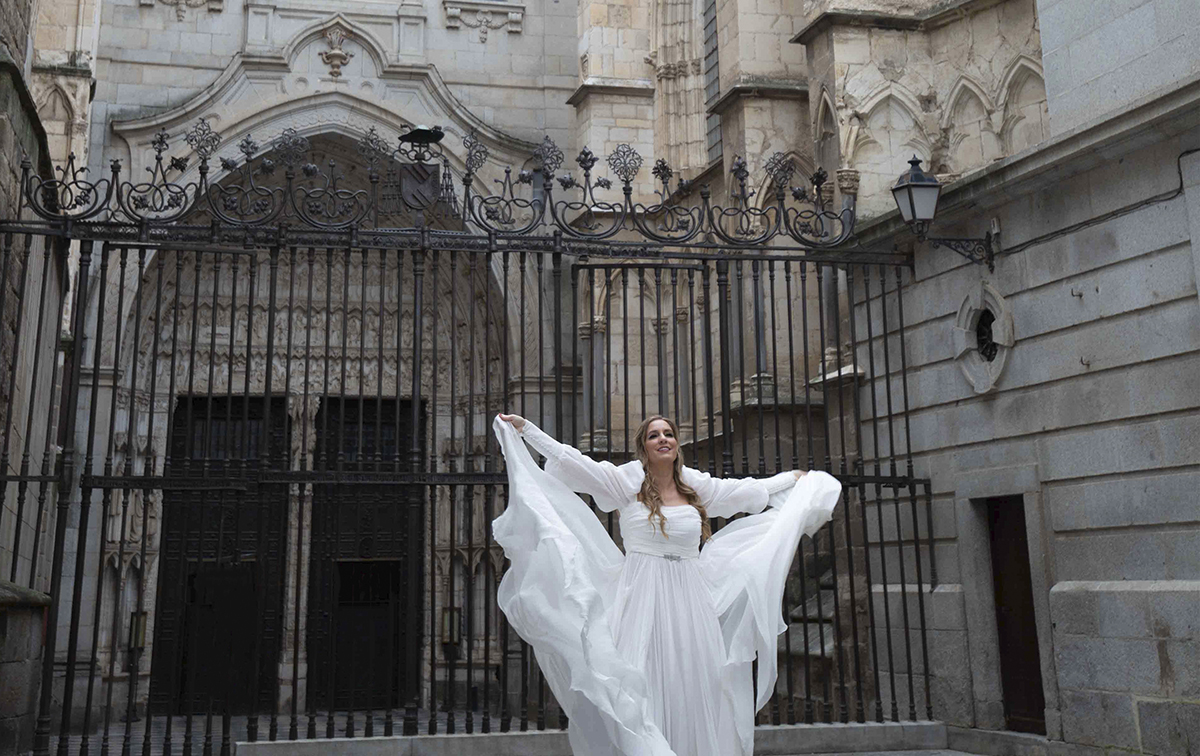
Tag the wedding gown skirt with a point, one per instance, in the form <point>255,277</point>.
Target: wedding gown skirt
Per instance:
<point>649,653</point>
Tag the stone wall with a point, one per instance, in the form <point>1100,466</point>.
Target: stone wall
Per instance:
<point>511,65</point>
<point>1102,57</point>
<point>22,613</point>
<point>22,136</point>
<point>1090,415</point>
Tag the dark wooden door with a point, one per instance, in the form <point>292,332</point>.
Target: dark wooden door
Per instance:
<point>366,569</point>
<point>221,571</point>
<point>367,611</point>
<point>220,626</point>
<point>1012,583</point>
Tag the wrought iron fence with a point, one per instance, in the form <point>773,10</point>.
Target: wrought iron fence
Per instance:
<point>267,513</point>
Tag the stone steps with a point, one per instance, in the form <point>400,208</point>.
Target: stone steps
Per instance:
<point>895,739</point>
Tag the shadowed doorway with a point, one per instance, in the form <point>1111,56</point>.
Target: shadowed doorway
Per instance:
<point>1012,584</point>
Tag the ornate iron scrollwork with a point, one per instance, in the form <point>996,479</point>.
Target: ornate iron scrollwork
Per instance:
<point>978,251</point>
<point>158,199</point>
<point>414,183</point>
<point>71,196</point>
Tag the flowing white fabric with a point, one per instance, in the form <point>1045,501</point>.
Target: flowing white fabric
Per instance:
<point>650,652</point>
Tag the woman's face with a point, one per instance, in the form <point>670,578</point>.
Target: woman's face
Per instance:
<point>661,444</point>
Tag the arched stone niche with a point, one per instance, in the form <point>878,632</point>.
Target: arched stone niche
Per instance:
<point>983,336</point>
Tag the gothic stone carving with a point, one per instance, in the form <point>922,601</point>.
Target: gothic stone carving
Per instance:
<point>484,16</point>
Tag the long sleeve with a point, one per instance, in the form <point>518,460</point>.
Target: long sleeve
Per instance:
<point>608,484</point>
<point>725,497</point>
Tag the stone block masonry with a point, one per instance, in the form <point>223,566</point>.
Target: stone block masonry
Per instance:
<point>21,618</point>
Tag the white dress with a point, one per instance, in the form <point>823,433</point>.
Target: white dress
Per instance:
<point>649,652</point>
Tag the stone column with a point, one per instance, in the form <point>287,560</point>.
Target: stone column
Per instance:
<point>614,103</point>
<point>598,438</point>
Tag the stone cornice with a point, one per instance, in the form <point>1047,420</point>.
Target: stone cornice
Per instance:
<point>767,89</point>
<point>604,85</point>
<point>939,15</point>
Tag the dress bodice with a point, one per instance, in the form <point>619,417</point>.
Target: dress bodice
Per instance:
<point>641,533</point>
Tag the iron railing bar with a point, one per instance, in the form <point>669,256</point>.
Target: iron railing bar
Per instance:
<point>692,383</point>
<point>149,465</point>
<point>828,467</point>
<point>913,499</point>
<point>264,462</point>
<point>432,727</point>
<point>641,299</point>
<point>759,368</point>
<point>410,712</point>
<point>578,383</point>
<point>737,346</point>
<point>89,466</point>
<point>887,620</point>
<point>305,463</point>
<point>791,350</point>
<point>723,338</point>
<point>707,348</point>
<point>775,363</point>
<point>847,531</point>
<point>489,573</point>
<point>849,544</point>
<point>188,453</point>
<point>108,468</point>
<point>610,380</point>
<point>625,351</point>
<point>42,733</point>
<point>521,347</point>
<point>132,683</point>
<point>343,390</point>
<point>240,498</point>
<point>452,500</point>
<point>361,461</point>
<point>887,370</point>
<point>505,713</point>
<point>673,325</point>
<point>787,638</point>
<point>639,264</point>
<point>469,459</point>
<point>862,507</point>
<point>326,574</point>
<point>660,327</point>
<point>125,234</point>
<point>539,262</point>
<point>389,674</point>
<point>177,483</point>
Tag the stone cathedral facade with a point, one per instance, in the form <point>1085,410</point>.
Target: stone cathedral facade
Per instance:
<point>1063,124</point>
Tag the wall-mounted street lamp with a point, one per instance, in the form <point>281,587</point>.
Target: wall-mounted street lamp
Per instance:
<point>917,194</point>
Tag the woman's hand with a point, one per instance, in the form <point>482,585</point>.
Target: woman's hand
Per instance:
<point>799,473</point>
<point>517,421</point>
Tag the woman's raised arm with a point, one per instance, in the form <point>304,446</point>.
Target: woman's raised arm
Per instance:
<point>725,497</point>
<point>604,481</point>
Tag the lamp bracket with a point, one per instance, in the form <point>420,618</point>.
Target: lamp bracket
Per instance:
<point>977,250</point>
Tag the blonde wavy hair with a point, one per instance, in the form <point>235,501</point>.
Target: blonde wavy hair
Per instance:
<point>650,495</point>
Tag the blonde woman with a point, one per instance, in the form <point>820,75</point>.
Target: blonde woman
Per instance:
<point>649,651</point>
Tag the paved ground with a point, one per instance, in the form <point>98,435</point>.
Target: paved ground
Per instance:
<point>208,737</point>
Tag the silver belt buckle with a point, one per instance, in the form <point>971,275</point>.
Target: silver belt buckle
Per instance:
<point>672,557</point>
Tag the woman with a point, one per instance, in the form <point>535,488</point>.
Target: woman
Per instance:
<point>649,652</point>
